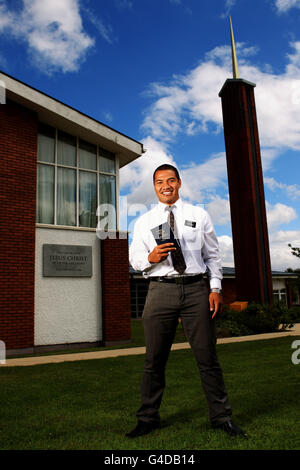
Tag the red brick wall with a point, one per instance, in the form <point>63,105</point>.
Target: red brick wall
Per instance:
<point>229,291</point>
<point>115,289</point>
<point>18,154</point>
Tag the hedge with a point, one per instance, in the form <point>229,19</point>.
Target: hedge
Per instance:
<point>256,319</point>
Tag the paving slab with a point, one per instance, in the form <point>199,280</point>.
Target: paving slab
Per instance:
<point>57,358</point>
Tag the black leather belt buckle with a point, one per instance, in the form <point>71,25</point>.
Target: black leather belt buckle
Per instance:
<point>179,279</point>
<point>168,280</point>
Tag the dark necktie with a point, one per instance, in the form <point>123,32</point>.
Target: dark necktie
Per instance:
<point>176,255</point>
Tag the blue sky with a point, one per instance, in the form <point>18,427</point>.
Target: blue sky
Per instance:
<point>152,69</point>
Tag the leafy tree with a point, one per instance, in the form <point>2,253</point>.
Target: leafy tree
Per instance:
<point>295,250</point>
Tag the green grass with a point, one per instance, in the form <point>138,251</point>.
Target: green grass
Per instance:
<point>92,404</point>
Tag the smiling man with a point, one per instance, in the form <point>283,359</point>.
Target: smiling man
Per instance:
<point>174,244</point>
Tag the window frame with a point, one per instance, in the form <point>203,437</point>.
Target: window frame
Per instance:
<point>98,172</point>
<point>282,295</point>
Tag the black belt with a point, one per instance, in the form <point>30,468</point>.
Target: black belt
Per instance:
<point>178,279</point>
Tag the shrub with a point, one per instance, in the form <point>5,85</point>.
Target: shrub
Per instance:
<point>255,319</point>
<point>229,324</point>
<point>295,314</point>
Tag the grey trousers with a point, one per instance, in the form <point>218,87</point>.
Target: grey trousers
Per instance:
<point>164,304</point>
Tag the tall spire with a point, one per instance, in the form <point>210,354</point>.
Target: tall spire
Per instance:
<point>235,69</point>
<point>246,190</point>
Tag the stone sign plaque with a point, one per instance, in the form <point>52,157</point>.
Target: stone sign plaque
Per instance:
<point>67,260</point>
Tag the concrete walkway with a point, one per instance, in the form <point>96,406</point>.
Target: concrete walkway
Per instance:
<point>56,358</point>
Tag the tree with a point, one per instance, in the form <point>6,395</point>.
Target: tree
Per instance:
<point>295,250</point>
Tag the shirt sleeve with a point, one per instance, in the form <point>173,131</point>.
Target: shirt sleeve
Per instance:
<point>138,250</point>
<point>211,255</point>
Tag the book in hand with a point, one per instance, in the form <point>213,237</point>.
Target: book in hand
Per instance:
<point>164,234</point>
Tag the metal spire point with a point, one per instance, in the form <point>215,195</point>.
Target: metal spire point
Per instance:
<point>235,69</point>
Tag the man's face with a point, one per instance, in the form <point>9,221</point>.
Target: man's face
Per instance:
<point>167,186</point>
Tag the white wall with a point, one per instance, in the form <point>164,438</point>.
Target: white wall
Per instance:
<point>67,309</point>
<point>278,284</point>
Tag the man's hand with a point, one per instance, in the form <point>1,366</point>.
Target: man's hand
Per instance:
<point>160,252</point>
<point>215,302</point>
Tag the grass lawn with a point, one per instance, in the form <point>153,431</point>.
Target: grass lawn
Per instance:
<point>91,404</point>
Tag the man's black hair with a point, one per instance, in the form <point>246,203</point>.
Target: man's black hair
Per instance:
<point>166,166</point>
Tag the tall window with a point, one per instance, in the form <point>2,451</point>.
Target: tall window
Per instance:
<point>74,177</point>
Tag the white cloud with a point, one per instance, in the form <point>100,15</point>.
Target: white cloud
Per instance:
<point>229,4</point>
<point>163,119</point>
<point>137,176</point>
<point>198,181</point>
<point>226,250</point>
<point>6,18</point>
<point>268,155</point>
<point>285,5</point>
<point>222,54</point>
<point>53,32</point>
<point>189,103</point>
<point>288,236</point>
<point>279,214</point>
<point>219,210</point>
<point>105,30</point>
<point>280,253</point>
<point>292,190</point>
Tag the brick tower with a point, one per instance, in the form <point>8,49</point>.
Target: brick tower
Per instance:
<point>246,189</point>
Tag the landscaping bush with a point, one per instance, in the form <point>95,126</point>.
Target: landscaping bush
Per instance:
<point>295,314</point>
<point>255,319</point>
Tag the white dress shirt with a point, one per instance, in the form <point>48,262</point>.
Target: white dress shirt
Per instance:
<point>197,238</point>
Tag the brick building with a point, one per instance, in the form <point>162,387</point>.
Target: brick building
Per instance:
<point>62,283</point>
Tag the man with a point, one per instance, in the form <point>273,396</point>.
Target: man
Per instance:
<point>177,289</point>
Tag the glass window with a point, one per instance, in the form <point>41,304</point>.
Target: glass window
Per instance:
<point>66,149</point>
<point>279,295</point>
<point>78,191</point>
<point>107,161</point>
<point>46,143</point>
<point>87,199</point>
<point>66,197</point>
<point>45,194</point>
<point>107,208</point>
<point>283,295</point>
<point>87,155</point>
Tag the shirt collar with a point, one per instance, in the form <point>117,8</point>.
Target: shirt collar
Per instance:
<point>163,207</point>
